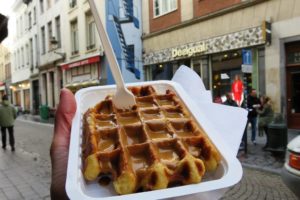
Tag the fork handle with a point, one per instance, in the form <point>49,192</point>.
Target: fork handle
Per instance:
<point>111,57</point>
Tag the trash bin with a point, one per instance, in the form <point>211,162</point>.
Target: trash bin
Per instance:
<point>277,137</point>
<point>44,112</point>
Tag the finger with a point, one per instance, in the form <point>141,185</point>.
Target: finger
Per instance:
<point>60,144</point>
<point>64,116</point>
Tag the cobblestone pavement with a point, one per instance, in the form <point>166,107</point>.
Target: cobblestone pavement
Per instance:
<point>21,177</point>
<point>259,185</point>
<point>25,174</point>
<point>264,160</point>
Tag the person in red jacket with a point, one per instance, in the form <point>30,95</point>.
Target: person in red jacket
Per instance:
<point>237,89</point>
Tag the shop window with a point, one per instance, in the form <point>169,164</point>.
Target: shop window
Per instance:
<point>74,72</point>
<point>80,71</point>
<point>162,7</point>
<point>87,69</point>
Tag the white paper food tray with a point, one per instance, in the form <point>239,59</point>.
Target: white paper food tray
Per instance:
<point>228,173</point>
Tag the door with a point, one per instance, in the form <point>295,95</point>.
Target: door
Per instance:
<point>293,98</point>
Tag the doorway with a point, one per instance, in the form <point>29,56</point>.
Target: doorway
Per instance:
<point>293,84</point>
<point>293,98</point>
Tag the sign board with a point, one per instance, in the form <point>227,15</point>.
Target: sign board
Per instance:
<point>80,63</point>
<point>247,56</point>
<point>247,68</point>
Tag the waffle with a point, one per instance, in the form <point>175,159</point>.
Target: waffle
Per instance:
<point>155,145</point>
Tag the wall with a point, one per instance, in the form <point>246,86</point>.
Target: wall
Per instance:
<point>275,59</point>
<point>120,26</point>
<point>164,21</point>
<point>204,7</point>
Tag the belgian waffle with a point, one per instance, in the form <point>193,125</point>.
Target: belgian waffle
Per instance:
<point>155,145</point>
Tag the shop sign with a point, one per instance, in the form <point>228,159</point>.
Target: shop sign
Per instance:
<point>81,63</point>
<point>247,57</point>
<point>247,68</point>
<point>188,51</point>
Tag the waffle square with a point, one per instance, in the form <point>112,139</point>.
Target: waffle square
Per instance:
<point>155,145</point>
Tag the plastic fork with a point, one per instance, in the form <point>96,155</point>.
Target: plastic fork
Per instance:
<point>123,98</point>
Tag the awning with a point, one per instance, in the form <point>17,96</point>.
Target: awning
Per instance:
<point>66,66</point>
<point>3,27</point>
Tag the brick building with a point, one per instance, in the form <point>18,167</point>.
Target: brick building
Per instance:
<point>255,39</point>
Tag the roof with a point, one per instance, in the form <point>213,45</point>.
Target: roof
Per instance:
<point>3,27</point>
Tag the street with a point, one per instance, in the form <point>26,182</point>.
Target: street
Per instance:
<point>25,174</point>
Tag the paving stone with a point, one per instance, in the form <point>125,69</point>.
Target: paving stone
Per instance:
<point>11,193</point>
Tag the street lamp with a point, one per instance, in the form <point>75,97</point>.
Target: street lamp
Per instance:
<point>54,44</point>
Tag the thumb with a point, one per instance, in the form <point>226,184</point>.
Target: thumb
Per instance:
<point>63,119</point>
<point>60,144</point>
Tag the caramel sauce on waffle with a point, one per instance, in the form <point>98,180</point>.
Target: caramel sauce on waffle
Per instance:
<point>155,145</point>
<point>106,145</point>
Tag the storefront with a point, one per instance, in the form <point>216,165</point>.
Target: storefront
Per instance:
<point>217,60</point>
<point>21,95</point>
<point>82,73</point>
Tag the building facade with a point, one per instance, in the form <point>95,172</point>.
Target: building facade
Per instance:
<point>4,85</point>
<point>223,39</point>
<point>84,65</point>
<point>124,28</point>
<point>21,59</point>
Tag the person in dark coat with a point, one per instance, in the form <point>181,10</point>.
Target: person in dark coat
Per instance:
<point>265,117</point>
<point>252,103</point>
<point>229,101</point>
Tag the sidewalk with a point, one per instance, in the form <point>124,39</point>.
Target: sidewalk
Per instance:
<point>257,158</point>
<point>21,177</point>
<point>35,118</point>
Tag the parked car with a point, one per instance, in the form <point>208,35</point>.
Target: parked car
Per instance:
<point>291,170</point>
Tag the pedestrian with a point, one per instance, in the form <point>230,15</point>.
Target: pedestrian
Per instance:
<point>265,113</point>
<point>229,101</point>
<point>237,89</point>
<point>7,117</point>
<point>252,103</point>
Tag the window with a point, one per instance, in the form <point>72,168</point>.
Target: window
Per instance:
<point>27,54</point>
<point>90,31</point>
<point>50,35</point>
<point>42,6</point>
<point>18,59</point>
<point>22,57</point>
<point>72,3</point>
<point>34,15</point>
<point>29,20</point>
<point>21,26</point>
<point>43,40</point>
<point>48,4</point>
<point>31,51</point>
<point>74,38</point>
<point>162,7</point>
<point>58,36</point>
<point>36,50</point>
<point>17,28</point>
<point>16,62</point>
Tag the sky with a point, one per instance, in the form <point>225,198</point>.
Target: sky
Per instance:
<point>5,9</point>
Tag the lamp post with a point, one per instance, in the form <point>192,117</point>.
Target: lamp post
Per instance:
<point>54,45</point>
